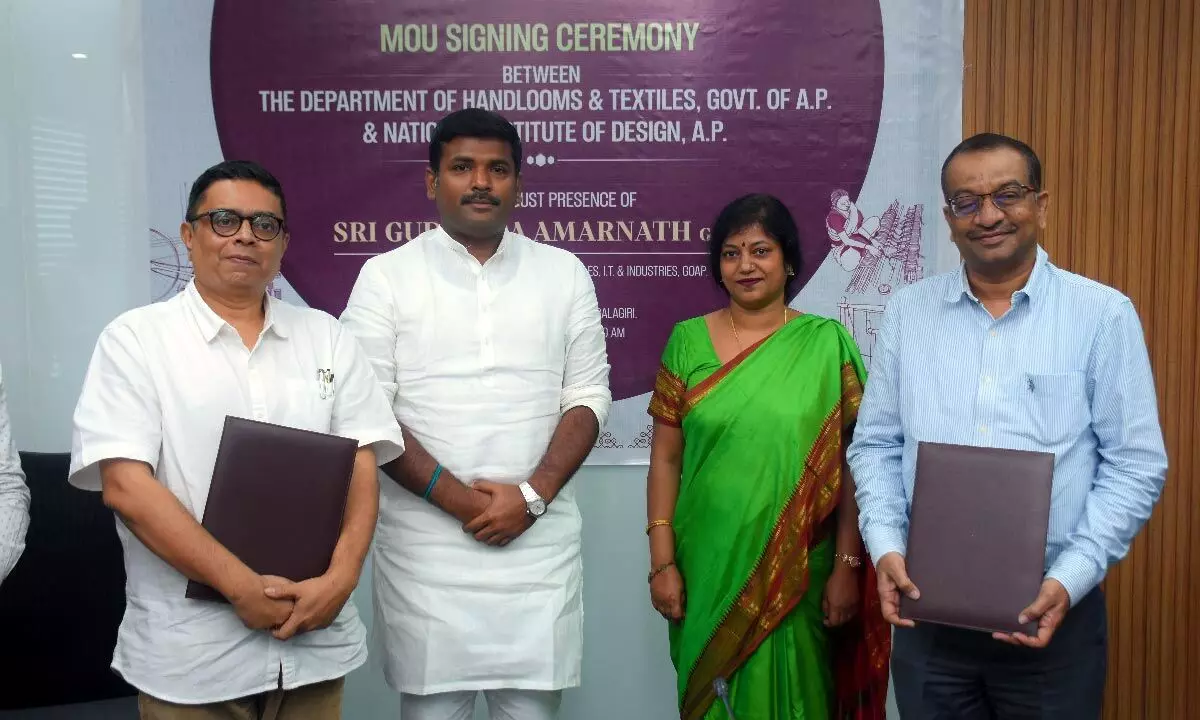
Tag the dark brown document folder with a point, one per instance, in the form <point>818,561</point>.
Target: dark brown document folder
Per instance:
<point>977,535</point>
<point>277,498</point>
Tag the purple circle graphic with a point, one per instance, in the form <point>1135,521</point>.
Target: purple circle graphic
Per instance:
<point>640,121</point>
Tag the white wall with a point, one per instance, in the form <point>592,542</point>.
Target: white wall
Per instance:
<point>72,201</point>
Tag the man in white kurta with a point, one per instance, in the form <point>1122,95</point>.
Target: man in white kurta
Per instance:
<point>491,349</point>
<point>147,429</point>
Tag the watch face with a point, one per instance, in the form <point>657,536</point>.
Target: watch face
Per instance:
<point>537,508</point>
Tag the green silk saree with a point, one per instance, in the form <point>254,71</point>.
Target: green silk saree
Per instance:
<point>764,442</point>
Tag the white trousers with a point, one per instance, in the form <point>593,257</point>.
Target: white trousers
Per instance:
<point>502,705</point>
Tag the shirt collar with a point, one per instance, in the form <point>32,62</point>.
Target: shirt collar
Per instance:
<point>455,246</point>
<point>211,323</point>
<point>1034,286</point>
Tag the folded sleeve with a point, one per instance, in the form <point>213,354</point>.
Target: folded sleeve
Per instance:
<point>370,315</point>
<point>585,377</point>
<point>360,408</point>
<point>118,414</point>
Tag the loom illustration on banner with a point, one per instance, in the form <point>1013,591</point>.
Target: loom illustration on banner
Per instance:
<point>881,252</point>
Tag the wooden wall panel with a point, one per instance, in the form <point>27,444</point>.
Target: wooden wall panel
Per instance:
<point>1108,93</point>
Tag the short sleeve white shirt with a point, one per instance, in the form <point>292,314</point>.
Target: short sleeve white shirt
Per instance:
<point>160,383</point>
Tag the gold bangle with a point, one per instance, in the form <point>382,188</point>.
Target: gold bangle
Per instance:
<point>656,523</point>
<point>852,560</point>
<point>655,572</point>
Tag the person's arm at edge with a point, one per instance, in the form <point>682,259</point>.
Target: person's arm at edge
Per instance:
<point>14,496</point>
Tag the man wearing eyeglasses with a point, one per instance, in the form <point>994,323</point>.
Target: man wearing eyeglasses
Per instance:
<point>1010,351</point>
<point>147,428</point>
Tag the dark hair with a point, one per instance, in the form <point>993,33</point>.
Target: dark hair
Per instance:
<point>234,170</point>
<point>995,141</point>
<point>765,211</point>
<point>474,123</point>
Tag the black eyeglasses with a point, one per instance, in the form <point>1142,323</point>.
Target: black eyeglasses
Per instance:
<point>967,204</point>
<point>227,223</point>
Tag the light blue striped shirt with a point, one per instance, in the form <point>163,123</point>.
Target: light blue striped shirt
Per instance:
<point>1065,371</point>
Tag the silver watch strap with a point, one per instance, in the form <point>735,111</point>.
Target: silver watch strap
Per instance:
<point>528,492</point>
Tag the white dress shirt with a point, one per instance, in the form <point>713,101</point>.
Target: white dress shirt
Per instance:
<point>160,383</point>
<point>14,495</point>
<point>480,362</point>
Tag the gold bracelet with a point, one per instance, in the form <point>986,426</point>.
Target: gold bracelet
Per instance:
<point>655,572</point>
<point>852,560</point>
<point>656,523</point>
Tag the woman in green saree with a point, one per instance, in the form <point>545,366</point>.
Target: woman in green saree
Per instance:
<point>756,559</point>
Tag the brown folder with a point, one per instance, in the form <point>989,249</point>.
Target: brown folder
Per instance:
<point>277,498</point>
<point>977,535</point>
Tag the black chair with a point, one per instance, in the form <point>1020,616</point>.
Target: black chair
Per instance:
<point>62,603</point>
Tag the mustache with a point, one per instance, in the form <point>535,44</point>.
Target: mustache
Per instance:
<point>976,234</point>
<point>480,197</point>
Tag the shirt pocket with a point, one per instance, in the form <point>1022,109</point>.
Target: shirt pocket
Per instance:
<point>1057,406</point>
<point>301,405</point>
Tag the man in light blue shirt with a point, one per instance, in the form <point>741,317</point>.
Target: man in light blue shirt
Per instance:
<point>1010,352</point>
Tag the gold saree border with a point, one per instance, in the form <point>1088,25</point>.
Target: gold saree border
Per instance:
<point>666,404</point>
<point>852,395</point>
<point>692,397</point>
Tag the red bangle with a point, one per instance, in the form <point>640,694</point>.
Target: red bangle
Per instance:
<point>655,572</point>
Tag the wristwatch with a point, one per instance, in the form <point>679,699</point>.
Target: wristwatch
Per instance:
<point>534,504</point>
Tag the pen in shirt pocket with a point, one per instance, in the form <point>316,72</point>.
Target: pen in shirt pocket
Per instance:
<point>1029,383</point>
<point>325,383</point>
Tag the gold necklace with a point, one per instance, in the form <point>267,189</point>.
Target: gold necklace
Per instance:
<point>738,338</point>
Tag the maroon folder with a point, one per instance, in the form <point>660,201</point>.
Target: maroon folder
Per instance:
<point>977,535</point>
<point>277,498</point>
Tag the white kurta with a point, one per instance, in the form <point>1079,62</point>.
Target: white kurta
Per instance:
<point>480,361</point>
<point>161,381</point>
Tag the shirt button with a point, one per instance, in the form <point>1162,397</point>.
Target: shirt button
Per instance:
<point>992,333</point>
<point>983,428</point>
<point>987,379</point>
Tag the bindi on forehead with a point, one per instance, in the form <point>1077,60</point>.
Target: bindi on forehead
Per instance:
<point>748,244</point>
